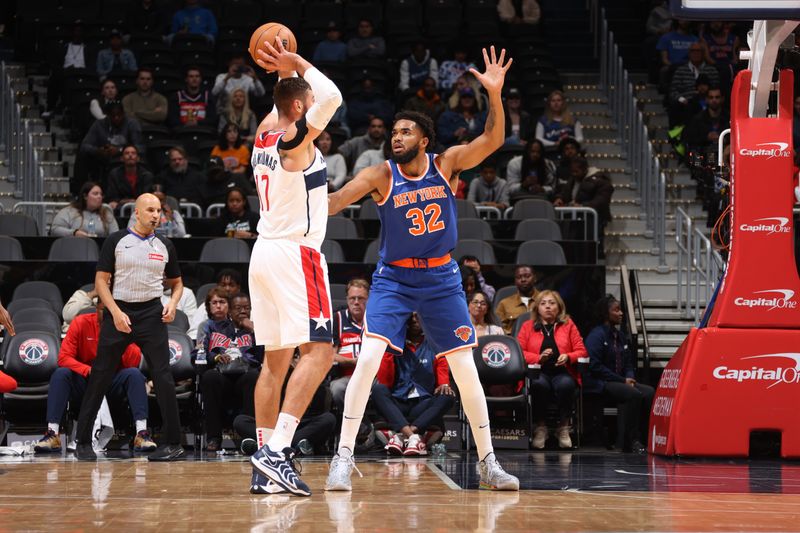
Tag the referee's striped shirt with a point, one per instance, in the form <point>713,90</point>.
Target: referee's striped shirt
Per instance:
<point>137,265</point>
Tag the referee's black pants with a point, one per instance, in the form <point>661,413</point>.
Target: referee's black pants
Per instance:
<point>150,334</point>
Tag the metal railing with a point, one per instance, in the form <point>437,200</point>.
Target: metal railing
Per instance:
<point>699,267</point>
<point>42,212</point>
<point>631,301</point>
<point>633,137</point>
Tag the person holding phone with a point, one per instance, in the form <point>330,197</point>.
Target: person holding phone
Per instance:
<point>239,76</point>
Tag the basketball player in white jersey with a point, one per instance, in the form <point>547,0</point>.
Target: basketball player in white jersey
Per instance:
<point>288,274</point>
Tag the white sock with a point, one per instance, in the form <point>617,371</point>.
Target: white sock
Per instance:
<point>141,425</point>
<point>473,400</point>
<point>263,435</point>
<point>358,390</point>
<point>54,427</point>
<point>283,433</point>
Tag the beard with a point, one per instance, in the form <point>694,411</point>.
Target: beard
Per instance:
<point>405,157</point>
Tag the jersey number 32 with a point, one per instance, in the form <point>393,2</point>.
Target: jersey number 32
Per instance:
<point>425,220</point>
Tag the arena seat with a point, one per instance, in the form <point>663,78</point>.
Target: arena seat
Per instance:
<point>31,357</point>
<point>338,291</point>
<point>465,209</point>
<point>503,292</point>
<point>40,289</point>
<point>10,249</point>
<point>224,250</point>
<point>333,251</point>
<point>202,291</point>
<point>474,228</point>
<point>538,229</point>
<point>41,319</point>
<point>27,303</point>
<point>18,224</point>
<point>533,208</point>
<point>518,323</point>
<point>480,249</point>
<point>341,228</point>
<point>67,249</point>
<point>541,253</point>
<point>371,255</point>
<point>181,322</point>
<point>369,210</point>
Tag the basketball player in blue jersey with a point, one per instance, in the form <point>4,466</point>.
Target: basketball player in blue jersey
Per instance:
<point>417,208</point>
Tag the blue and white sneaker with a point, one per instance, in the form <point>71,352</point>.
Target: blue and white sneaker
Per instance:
<point>260,484</point>
<point>279,467</point>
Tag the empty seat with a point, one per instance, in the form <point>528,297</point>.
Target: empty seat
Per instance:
<point>341,228</point>
<point>224,250</point>
<point>369,210</point>
<point>371,255</point>
<point>538,229</point>
<point>18,224</point>
<point>332,251</point>
<point>10,249</point>
<point>521,319</point>
<point>544,253</point>
<point>338,291</point>
<point>200,295</point>
<point>27,303</point>
<point>533,208</point>
<point>31,357</point>
<point>41,319</point>
<point>73,249</point>
<point>474,228</point>
<point>466,209</point>
<point>41,289</point>
<point>480,249</point>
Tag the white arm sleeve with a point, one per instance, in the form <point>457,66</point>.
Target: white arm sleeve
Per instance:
<point>327,99</point>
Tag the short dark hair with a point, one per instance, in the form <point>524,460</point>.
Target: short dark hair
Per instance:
<point>219,293</point>
<point>714,87</point>
<point>189,68</point>
<point>114,105</point>
<point>422,120</point>
<point>581,162</point>
<point>529,267</point>
<point>145,69</point>
<point>567,141</point>
<point>288,90</point>
<point>464,258</point>
<point>230,273</point>
<point>602,306</point>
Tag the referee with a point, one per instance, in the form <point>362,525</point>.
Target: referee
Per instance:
<point>135,261</point>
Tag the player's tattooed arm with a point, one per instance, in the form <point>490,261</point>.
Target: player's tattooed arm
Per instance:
<point>374,179</point>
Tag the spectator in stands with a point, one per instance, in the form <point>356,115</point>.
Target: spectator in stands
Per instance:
<point>469,280</point>
<point>451,69</point>
<point>704,128</point>
<point>115,59</point>
<point>68,382</point>
<point>463,120</point>
<point>683,88</point>
<point>462,82</point>
<point>171,224</point>
<point>417,67</point>
<point>229,281</point>
<point>488,189</point>
<point>370,158</point>
<point>339,119</point>
<point>796,124</point>
<point>187,304</point>
<point>193,19</point>
<point>81,299</point>
<point>347,328</point>
<point>674,45</point>
<point>234,361</point>
<point>612,372</point>
<point>192,105</point>
<point>722,46</point>
<point>332,49</point>
<point>237,111</point>
<point>144,104</point>
<point>179,180</point>
<point>66,58</point>
<point>519,303</point>
<point>365,45</point>
<point>235,155</point>
<point>519,124</point>
<point>412,392</point>
<point>481,316</point>
<point>215,308</point>
<point>86,216</point>
<point>568,149</point>
<point>105,140</point>
<point>219,182</point>
<point>239,76</point>
<point>108,94</point>
<point>334,161</point>
<point>364,106</point>
<point>474,263</point>
<point>427,100</point>
<point>371,140</point>
<point>588,187</point>
<point>127,182</point>
<point>531,175</point>
<point>518,17</point>
<point>145,16</point>
<point>236,219</point>
<point>557,122</point>
<point>552,340</point>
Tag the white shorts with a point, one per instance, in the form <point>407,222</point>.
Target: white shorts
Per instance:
<point>290,294</point>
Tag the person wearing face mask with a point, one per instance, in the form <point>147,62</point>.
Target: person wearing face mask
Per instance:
<point>86,216</point>
<point>551,339</point>
<point>612,373</point>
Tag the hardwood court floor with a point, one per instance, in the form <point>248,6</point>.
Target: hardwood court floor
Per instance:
<point>562,492</point>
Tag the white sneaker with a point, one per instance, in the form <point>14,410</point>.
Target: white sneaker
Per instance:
<point>562,434</point>
<point>415,446</point>
<point>339,474</point>
<point>539,437</point>
<point>493,477</point>
<point>396,445</point>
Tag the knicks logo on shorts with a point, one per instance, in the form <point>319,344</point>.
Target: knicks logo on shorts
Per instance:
<point>463,333</point>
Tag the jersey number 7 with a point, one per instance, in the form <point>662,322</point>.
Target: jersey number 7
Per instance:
<point>420,226</point>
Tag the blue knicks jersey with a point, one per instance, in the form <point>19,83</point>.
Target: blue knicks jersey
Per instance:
<point>418,215</point>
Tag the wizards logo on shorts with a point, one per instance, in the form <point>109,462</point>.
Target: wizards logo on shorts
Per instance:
<point>463,333</point>
<point>175,352</point>
<point>34,352</point>
<point>496,354</point>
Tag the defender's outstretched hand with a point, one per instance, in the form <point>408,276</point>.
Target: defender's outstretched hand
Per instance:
<point>496,68</point>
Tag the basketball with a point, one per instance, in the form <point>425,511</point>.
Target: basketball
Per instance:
<point>266,34</point>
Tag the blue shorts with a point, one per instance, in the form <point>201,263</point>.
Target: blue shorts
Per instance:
<point>435,294</point>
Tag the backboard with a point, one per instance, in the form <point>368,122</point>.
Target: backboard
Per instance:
<point>736,9</point>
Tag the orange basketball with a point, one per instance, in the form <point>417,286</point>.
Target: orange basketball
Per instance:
<point>266,34</point>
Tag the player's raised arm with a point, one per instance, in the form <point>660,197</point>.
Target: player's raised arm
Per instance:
<point>374,179</point>
<point>458,158</point>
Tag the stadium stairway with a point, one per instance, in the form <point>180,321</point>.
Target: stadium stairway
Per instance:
<point>626,239</point>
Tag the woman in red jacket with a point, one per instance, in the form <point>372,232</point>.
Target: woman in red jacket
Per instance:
<point>551,340</point>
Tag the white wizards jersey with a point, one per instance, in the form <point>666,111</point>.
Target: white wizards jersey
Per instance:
<point>293,205</point>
